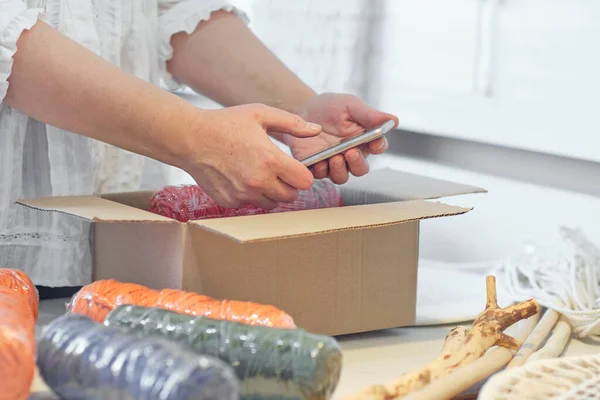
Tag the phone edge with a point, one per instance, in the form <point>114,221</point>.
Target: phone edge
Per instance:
<point>321,156</point>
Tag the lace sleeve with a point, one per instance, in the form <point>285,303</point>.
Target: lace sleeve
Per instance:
<point>184,16</point>
<point>15,18</point>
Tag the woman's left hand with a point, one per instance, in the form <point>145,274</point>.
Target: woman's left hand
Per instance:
<point>340,115</point>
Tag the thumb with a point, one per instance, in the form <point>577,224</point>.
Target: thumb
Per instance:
<point>369,117</point>
<point>294,173</point>
<point>281,121</point>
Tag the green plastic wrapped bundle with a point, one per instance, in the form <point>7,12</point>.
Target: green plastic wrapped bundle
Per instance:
<point>271,363</point>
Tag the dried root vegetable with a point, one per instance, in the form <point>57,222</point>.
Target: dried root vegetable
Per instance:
<point>455,339</point>
<point>466,383</point>
<point>99,298</point>
<point>486,331</point>
<point>284,364</point>
<point>462,383</point>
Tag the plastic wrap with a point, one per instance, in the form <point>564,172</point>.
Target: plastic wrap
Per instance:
<point>19,282</point>
<point>99,298</point>
<point>43,396</point>
<point>18,314</point>
<point>271,363</point>
<point>190,202</point>
<point>80,359</point>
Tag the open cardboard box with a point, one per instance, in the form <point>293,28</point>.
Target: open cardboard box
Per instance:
<point>336,271</point>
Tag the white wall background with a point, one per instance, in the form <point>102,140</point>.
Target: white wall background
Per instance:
<point>510,214</point>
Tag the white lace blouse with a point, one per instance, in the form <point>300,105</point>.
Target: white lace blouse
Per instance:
<point>38,160</point>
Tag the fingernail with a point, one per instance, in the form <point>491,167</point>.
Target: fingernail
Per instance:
<point>381,145</point>
<point>314,127</point>
<point>353,155</point>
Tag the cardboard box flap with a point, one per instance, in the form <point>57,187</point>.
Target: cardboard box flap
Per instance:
<point>265,227</point>
<point>140,200</point>
<point>93,208</point>
<point>385,185</point>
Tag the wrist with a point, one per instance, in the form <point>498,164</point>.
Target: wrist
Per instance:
<point>183,141</point>
<point>296,104</point>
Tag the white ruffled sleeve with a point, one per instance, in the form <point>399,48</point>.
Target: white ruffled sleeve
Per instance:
<point>15,18</point>
<point>184,16</point>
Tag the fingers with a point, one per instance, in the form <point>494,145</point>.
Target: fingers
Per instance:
<point>320,170</point>
<point>338,173</point>
<point>282,121</point>
<point>266,198</point>
<point>265,203</point>
<point>356,161</point>
<point>279,180</point>
<point>368,116</point>
<point>339,167</point>
<point>377,146</point>
<point>281,192</point>
<point>294,173</point>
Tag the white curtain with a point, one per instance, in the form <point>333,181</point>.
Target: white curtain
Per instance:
<point>329,44</point>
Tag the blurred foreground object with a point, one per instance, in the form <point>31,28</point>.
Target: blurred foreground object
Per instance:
<point>80,359</point>
<point>18,316</point>
<point>271,363</point>
<point>99,298</point>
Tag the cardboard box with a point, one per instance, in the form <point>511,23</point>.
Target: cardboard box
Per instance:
<point>336,271</point>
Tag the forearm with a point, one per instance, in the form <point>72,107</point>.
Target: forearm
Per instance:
<point>225,61</point>
<point>59,82</point>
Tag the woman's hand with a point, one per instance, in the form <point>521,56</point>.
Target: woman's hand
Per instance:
<point>340,115</point>
<point>236,163</point>
<point>59,82</point>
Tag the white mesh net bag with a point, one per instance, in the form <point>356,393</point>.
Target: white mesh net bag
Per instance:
<point>568,378</point>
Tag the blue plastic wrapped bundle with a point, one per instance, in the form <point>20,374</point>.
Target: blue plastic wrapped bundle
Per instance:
<point>80,359</point>
<point>282,364</point>
<point>43,396</point>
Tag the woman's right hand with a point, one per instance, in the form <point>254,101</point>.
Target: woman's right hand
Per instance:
<point>227,151</point>
<point>232,158</point>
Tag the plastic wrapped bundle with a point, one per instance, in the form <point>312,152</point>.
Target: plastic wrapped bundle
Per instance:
<point>17,345</point>
<point>271,363</point>
<point>190,202</point>
<point>80,359</point>
<point>99,298</point>
<point>18,314</point>
<point>19,282</point>
<point>43,396</point>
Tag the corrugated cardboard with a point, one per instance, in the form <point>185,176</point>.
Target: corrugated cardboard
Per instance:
<point>336,271</point>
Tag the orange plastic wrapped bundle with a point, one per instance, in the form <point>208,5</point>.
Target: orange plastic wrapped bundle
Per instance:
<point>19,282</point>
<point>18,315</point>
<point>99,298</point>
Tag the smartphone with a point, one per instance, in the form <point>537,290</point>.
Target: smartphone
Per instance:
<point>349,143</point>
